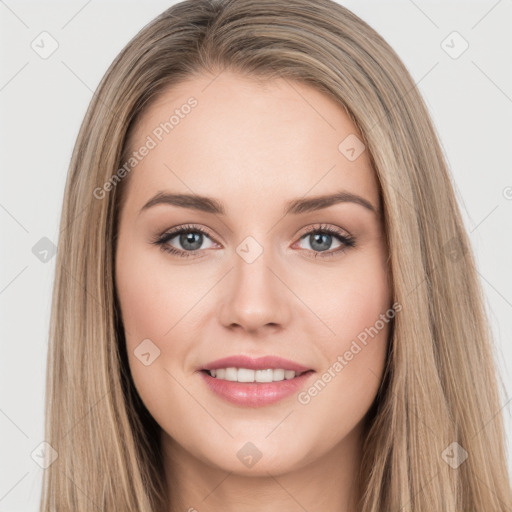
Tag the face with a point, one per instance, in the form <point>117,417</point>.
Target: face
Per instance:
<point>262,268</point>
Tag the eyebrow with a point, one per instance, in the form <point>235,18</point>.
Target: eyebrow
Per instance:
<point>294,207</point>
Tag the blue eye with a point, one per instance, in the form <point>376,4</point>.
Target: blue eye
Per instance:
<point>321,239</point>
<point>191,239</point>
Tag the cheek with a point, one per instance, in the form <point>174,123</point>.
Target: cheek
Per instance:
<point>143,310</point>
<point>342,392</point>
<point>151,307</point>
<point>153,296</point>
<point>355,303</point>
<point>351,297</point>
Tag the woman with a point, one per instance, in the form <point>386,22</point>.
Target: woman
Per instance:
<point>265,298</point>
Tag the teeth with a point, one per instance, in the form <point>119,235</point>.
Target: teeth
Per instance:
<point>246,375</point>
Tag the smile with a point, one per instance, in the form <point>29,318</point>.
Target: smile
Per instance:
<point>248,375</point>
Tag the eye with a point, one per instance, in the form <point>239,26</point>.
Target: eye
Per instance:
<point>320,240</point>
<point>190,238</point>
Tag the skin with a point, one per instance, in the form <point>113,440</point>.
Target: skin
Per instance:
<point>254,146</point>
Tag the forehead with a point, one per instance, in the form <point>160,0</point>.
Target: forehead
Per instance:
<point>234,137</point>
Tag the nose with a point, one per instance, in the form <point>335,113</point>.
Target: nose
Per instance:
<point>255,297</point>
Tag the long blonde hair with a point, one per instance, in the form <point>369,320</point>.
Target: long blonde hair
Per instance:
<point>440,385</point>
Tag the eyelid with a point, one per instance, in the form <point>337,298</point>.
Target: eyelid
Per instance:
<point>313,228</point>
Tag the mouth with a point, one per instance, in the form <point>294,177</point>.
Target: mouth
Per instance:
<point>247,387</point>
<point>248,375</point>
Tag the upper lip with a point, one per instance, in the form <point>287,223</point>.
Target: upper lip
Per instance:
<point>260,363</point>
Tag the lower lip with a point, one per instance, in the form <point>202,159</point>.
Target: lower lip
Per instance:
<point>255,394</point>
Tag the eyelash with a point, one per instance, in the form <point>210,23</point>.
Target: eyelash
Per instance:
<point>348,241</point>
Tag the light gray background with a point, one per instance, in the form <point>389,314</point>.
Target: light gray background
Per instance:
<point>42,104</point>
